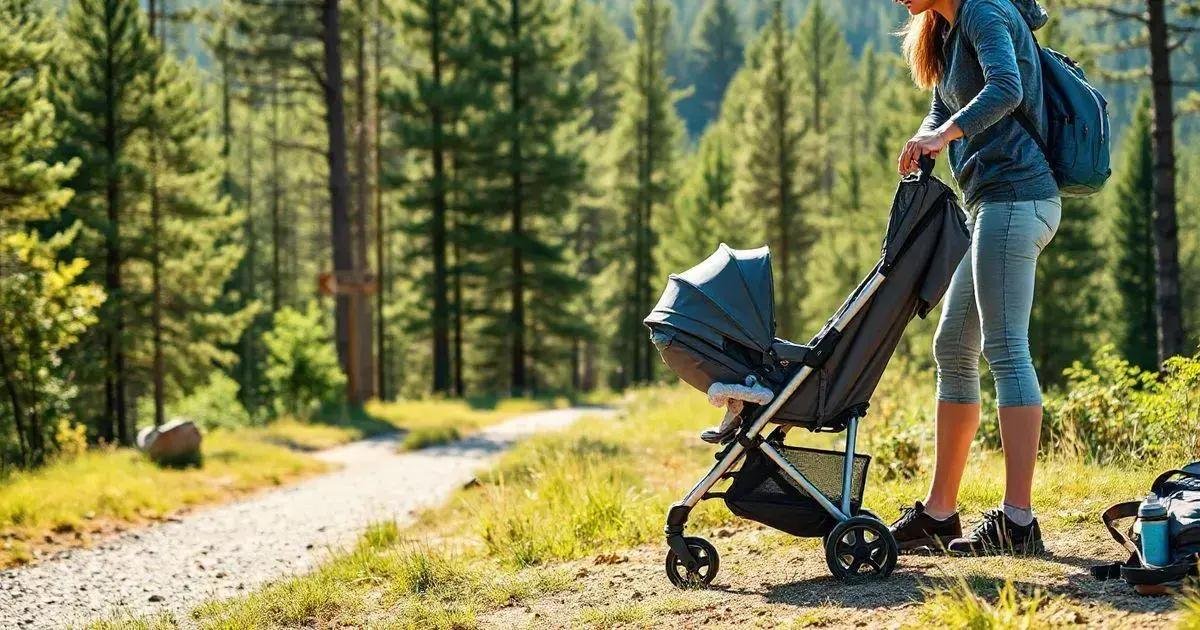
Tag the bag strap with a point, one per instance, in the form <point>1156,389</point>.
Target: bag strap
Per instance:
<point>1116,512</point>
<point>1165,477</point>
<point>1017,113</point>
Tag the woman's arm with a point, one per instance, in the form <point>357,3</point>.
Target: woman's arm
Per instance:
<point>986,28</point>
<point>936,131</point>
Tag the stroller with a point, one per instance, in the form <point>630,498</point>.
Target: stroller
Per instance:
<point>714,327</point>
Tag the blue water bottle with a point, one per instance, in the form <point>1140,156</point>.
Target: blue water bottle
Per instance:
<point>1152,516</point>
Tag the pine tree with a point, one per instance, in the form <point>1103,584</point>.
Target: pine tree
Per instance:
<point>43,309</point>
<point>1067,312</point>
<point>770,162</point>
<point>821,64</point>
<point>197,229</point>
<point>716,54</point>
<point>646,145</point>
<point>104,98</point>
<point>1132,239</point>
<point>543,167</point>
<point>699,217</point>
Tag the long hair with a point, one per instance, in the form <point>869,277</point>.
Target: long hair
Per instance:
<point>923,37</point>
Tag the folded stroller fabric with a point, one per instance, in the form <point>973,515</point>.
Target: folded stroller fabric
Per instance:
<point>715,323</point>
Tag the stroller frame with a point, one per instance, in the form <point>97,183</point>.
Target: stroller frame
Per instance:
<point>752,438</point>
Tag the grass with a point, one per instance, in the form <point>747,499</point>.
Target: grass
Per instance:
<point>384,579</point>
<point>433,422</point>
<point>603,486</point>
<point>960,606</point>
<point>66,502</point>
<point>1189,605</point>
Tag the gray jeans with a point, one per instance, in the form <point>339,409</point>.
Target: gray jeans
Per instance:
<point>988,303</point>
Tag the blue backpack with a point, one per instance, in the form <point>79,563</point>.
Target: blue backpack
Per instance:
<point>1077,146</point>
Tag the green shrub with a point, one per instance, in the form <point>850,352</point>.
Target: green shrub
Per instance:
<point>213,405</point>
<point>1115,411</point>
<point>302,366</point>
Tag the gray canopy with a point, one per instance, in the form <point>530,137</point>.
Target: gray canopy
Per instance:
<point>729,295</point>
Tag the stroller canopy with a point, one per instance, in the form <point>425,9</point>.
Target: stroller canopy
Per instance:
<point>729,295</point>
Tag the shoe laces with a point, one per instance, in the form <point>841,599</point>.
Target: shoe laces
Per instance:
<point>907,514</point>
<point>993,521</point>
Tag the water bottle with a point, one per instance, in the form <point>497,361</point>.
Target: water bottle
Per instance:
<point>1152,517</point>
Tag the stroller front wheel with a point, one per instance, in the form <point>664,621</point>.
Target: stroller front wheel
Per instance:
<point>861,546</point>
<point>708,562</point>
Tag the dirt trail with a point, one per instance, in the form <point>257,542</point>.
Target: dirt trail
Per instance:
<point>224,550</point>
<point>770,580</point>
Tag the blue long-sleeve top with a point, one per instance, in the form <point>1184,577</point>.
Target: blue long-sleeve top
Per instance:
<point>996,159</point>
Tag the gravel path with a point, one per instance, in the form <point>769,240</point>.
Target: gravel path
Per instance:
<point>221,551</point>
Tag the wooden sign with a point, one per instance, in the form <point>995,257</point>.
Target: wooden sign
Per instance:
<point>346,283</point>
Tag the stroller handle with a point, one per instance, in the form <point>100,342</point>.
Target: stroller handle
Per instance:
<point>925,163</point>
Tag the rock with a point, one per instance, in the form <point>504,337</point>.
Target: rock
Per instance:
<point>156,598</point>
<point>174,443</point>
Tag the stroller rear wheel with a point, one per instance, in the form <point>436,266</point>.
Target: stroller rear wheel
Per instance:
<point>703,573</point>
<point>861,546</point>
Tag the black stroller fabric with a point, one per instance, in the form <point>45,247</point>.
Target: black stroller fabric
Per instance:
<point>716,322</point>
<point>762,492</point>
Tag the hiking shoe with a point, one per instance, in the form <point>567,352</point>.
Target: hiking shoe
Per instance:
<point>996,534</point>
<point>916,529</point>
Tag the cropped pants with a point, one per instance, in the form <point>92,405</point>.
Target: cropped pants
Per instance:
<point>988,303</point>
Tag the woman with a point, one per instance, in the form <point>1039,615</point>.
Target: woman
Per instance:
<point>981,62</point>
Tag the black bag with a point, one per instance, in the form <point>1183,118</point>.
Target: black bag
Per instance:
<point>1181,491</point>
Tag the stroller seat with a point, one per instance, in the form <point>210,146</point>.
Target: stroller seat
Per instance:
<point>715,324</point>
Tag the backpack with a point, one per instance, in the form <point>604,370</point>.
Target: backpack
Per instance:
<point>1078,143</point>
<point>1181,490</point>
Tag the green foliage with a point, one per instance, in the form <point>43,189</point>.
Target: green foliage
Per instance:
<point>44,304</point>
<point>770,177</point>
<point>32,186</point>
<point>302,368</point>
<point>1067,315</point>
<point>44,308</point>
<point>645,147</point>
<point>212,405</point>
<point>1115,411</point>
<point>1131,244</point>
<point>714,56</point>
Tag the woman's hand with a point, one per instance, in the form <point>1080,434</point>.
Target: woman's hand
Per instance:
<point>928,142</point>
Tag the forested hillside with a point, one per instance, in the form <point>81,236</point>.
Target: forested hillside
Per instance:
<point>276,206</point>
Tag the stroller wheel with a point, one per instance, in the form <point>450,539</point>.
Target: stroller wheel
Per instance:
<point>702,575</point>
<point>860,547</point>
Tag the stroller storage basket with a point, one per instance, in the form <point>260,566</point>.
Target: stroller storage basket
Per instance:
<point>762,492</point>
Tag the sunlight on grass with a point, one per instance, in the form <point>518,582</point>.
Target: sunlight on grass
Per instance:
<point>601,485</point>
<point>69,500</point>
<point>960,606</point>
<point>653,612</point>
<point>383,577</point>
<point>1189,605</point>
<point>433,421</point>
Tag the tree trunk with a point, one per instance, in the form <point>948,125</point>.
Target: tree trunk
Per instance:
<point>276,194</point>
<point>114,388</point>
<point>362,206</point>
<point>380,226</point>
<point>346,312</point>
<point>1166,229</point>
<point>18,410</point>
<point>517,377</point>
<point>441,333</point>
<point>249,347</point>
